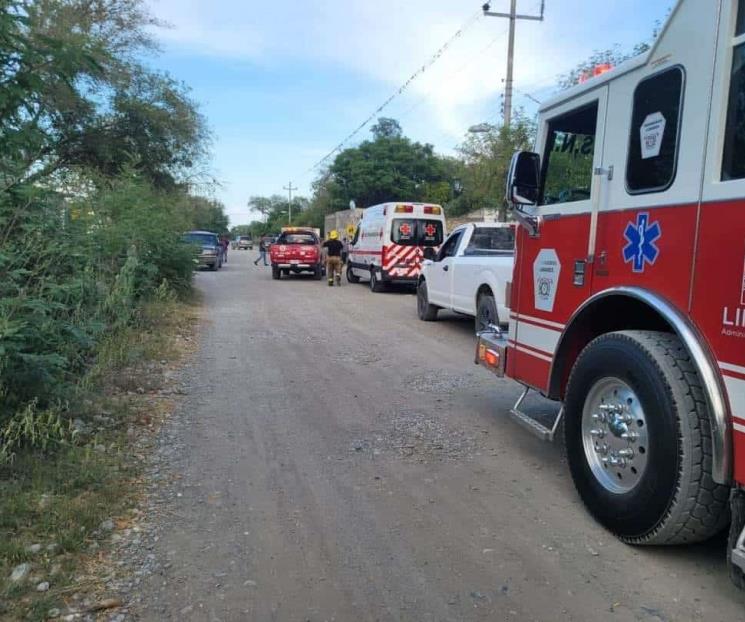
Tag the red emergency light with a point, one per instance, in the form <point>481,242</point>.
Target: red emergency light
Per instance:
<point>432,209</point>
<point>597,70</point>
<point>404,209</point>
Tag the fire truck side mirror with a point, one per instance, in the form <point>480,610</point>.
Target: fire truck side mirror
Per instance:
<point>523,180</point>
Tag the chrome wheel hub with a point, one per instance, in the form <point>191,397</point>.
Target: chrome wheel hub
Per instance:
<point>614,435</point>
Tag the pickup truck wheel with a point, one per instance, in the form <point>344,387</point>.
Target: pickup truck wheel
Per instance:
<point>426,311</point>
<point>375,285</point>
<point>638,440</point>
<point>351,276</point>
<point>275,273</point>
<point>318,272</point>
<point>486,312</point>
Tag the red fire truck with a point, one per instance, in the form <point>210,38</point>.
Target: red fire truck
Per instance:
<point>628,294</point>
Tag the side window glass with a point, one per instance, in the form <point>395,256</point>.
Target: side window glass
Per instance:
<point>733,157</point>
<point>740,29</point>
<point>655,122</point>
<point>451,245</point>
<point>567,162</point>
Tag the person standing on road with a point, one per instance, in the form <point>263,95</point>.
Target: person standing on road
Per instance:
<point>333,249</point>
<point>262,252</point>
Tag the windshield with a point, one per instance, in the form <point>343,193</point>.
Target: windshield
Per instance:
<point>205,239</point>
<point>297,238</point>
<point>416,232</point>
<point>492,241</point>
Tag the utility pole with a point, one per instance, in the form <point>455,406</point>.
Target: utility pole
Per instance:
<point>289,189</point>
<point>513,16</point>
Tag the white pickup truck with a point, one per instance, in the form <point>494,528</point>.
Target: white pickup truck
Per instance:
<point>469,274</point>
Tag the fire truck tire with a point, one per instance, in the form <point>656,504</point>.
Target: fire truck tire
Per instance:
<point>376,285</point>
<point>351,276</point>
<point>638,440</point>
<point>738,523</point>
<point>426,312</point>
<point>275,273</point>
<point>486,312</point>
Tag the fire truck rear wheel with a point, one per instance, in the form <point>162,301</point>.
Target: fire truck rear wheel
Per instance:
<point>738,523</point>
<point>638,440</point>
<point>426,311</point>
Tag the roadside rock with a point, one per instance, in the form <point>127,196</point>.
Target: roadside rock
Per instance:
<point>20,573</point>
<point>43,586</point>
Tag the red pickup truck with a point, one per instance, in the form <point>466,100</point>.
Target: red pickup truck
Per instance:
<point>296,250</point>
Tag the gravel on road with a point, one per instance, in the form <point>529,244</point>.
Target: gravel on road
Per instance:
<point>334,458</point>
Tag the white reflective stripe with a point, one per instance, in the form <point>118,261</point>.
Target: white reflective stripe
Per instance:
<point>537,320</point>
<point>513,326</point>
<point>535,354</point>
<point>731,367</point>
<point>543,339</point>
<point>739,428</point>
<point>736,393</point>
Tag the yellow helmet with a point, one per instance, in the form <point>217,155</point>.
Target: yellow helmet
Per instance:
<point>334,235</point>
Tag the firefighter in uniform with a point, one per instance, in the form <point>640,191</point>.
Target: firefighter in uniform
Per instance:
<point>333,258</point>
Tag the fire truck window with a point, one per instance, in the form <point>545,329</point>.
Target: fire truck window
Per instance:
<point>733,160</point>
<point>653,144</point>
<point>567,164</point>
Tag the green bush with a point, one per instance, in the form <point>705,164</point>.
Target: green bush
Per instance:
<point>72,271</point>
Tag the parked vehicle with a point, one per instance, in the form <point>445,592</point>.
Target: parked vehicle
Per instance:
<point>296,250</point>
<point>469,273</point>
<point>234,243</point>
<point>209,249</point>
<point>628,294</point>
<point>245,242</point>
<point>389,244</point>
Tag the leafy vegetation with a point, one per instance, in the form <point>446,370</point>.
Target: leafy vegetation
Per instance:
<point>98,155</point>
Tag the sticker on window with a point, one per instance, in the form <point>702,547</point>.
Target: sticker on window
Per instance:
<point>652,131</point>
<point>405,230</point>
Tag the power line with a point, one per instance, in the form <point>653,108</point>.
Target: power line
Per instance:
<point>432,60</point>
<point>485,49</point>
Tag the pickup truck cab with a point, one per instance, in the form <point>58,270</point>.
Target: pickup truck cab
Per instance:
<point>469,274</point>
<point>296,250</point>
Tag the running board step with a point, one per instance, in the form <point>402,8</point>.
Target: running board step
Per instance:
<point>532,425</point>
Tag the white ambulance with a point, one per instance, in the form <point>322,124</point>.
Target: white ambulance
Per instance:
<point>391,241</point>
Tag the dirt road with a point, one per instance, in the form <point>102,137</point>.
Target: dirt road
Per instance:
<point>337,459</point>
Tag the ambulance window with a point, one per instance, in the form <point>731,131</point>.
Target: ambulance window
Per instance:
<point>430,232</point>
<point>403,231</point>
<point>655,123</point>
<point>733,158</point>
<point>567,164</point>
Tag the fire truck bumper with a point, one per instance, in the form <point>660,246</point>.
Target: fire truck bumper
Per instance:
<point>491,351</point>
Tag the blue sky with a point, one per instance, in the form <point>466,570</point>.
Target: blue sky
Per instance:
<point>282,83</point>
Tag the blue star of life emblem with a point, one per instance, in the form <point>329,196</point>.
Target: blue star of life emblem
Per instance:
<point>641,237</point>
